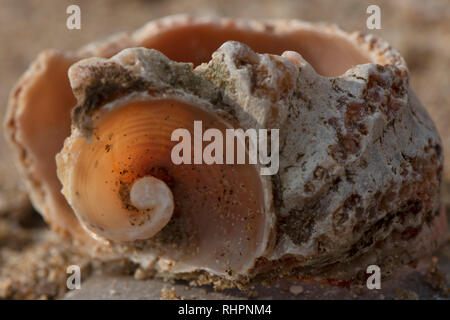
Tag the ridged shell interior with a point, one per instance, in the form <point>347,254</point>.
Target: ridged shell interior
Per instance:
<point>219,219</point>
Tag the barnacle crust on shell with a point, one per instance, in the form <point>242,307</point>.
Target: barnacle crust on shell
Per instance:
<point>360,159</point>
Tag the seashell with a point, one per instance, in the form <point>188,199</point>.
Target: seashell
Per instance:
<point>360,161</point>
<point>222,223</point>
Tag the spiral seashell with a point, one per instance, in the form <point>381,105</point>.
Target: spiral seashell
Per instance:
<point>119,148</point>
<point>360,161</point>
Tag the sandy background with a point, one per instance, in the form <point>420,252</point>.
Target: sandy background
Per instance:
<point>420,30</point>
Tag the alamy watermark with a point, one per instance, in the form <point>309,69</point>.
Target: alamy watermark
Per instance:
<point>374,280</point>
<point>237,147</point>
<point>74,280</point>
<point>73,22</point>
<point>374,20</point>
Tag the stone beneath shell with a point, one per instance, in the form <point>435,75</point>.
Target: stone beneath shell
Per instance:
<point>360,160</point>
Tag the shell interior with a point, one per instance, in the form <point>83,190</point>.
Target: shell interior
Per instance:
<point>218,220</point>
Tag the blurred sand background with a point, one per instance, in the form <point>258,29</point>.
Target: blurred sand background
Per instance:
<point>419,29</point>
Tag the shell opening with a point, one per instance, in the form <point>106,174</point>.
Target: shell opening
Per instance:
<point>123,186</point>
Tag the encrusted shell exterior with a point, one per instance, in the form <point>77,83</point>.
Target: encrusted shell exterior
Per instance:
<point>360,159</point>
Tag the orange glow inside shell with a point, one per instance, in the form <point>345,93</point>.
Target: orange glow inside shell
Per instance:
<point>219,207</point>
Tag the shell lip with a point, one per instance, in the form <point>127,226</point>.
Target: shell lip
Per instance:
<point>376,49</point>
